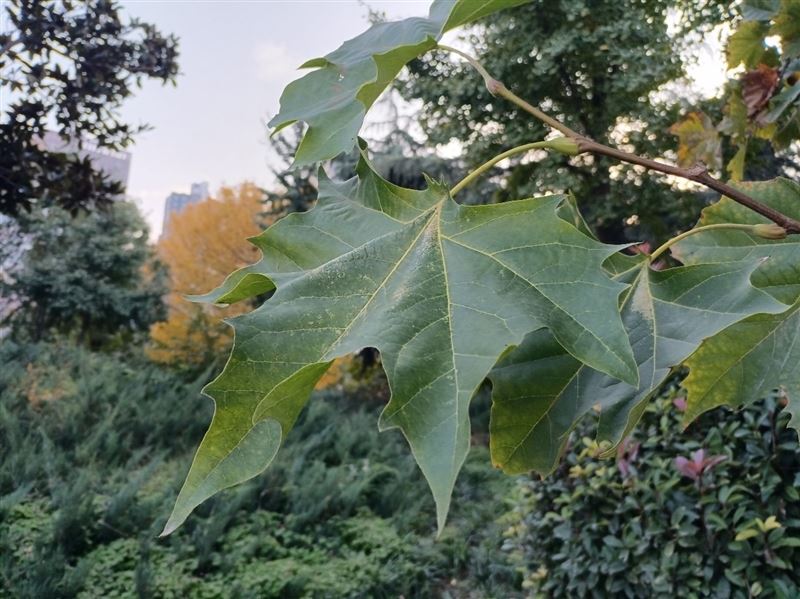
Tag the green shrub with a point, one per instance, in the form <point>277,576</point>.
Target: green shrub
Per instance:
<point>86,485</point>
<point>656,523</point>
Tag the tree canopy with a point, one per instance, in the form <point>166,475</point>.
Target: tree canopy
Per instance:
<point>91,276</point>
<point>600,67</point>
<point>202,244</point>
<point>70,65</point>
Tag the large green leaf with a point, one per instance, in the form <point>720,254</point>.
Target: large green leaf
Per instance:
<point>540,391</point>
<point>334,98</point>
<point>441,290</point>
<point>748,360</point>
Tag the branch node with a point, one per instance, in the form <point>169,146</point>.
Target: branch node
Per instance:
<point>494,86</point>
<point>697,173</point>
<point>698,170</point>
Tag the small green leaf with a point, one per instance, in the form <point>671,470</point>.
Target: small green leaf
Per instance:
<point>781,102</point>
<point>788,542</point>
<point>760,10</point>
<point>334,98</point>
<point>779,275</point>
<point>745,362</point>
<point>747,533</point>
<point>735,167</point>
<point>441,290</point>
<point>771,523</point>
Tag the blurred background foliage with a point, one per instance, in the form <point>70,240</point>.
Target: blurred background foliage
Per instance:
<point>94,450</point>
<point>202,245</point>
<point>93,277</point>
<point>95,447</point>
<point>70,65</point>
<point>103,359</point>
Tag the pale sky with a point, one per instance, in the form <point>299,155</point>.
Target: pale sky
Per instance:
<point>236,56</point>
<point>235,59</point>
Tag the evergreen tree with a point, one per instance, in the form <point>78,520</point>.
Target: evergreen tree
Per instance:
<point>92,276</point>
<point>602,67</point>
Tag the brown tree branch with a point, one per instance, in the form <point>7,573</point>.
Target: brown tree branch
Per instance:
<point>698,174</point>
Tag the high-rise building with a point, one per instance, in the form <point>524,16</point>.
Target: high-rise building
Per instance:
<point>115,164</point>
<point>176,202</point>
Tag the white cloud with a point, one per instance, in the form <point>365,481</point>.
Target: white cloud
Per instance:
<point>274,62</point>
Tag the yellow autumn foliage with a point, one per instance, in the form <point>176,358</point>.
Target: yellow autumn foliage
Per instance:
<point>204,243</point>
<point>337,374</point>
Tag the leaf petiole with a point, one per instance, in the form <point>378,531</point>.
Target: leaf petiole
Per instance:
<point>564,145</point>
<point>670,242</point>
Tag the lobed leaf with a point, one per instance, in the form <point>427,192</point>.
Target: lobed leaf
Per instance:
<point>746,45</point>
<point>441,290</point>
<point>781,102</point>
<point>780,275</point>
<point>758,86</point>
<point>334,98</point>
<point>751,358</point>
<point>746,362</point>
<point>540,392</point>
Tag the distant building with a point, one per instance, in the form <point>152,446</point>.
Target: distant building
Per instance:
<point>115,164</point>
<point>176,202</point>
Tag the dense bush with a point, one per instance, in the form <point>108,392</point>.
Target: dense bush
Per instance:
<point>91,276</point>
<point>710,511</point>
<point>343,512</point>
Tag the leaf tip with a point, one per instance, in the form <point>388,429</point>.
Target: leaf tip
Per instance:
<point>442,501</point>
<point>169,528</point>
<point>441,522</point>
<point>628,372</point>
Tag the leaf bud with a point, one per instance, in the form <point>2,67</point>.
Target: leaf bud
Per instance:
<point>565,145</point>
<point>770,231</point>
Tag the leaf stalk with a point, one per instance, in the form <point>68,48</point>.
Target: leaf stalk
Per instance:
<point>670,242</point>
<point>551,144</point>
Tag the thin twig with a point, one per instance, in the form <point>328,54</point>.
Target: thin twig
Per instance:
<point>698,174</point>
<point>501,90</point>
<point>496,88</point>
